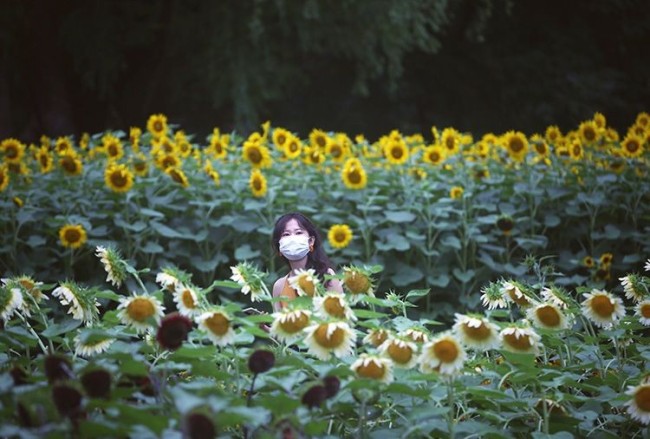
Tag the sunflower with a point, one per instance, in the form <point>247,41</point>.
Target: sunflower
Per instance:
<point>456,192</point>
<point>134,137</point>
<point>113,264</point>
<point>521,340</point>
<point>318,139</point>
<point>557,296</point>
<point>505,223</point>
<point>417,335</point>
<point>305,282</point>
<point>353,174</point>
<point>44,159</point>
<point>218,145</point>
<point>358,281</point>
<point>492,296</point>
<point>250,279</point>
<point>4,177</point>
<point>376,337</point>
<point>632,146</point>
<point>396,151</point>
<point>313,156</point>
<point>540,146</point>
<point>333,305</point>
<point>72,235</point>
<point>589,132</point>
<point>257,183</point>
<point>187,300</point>
<point>157,125</point>
<point>325,339</point>
<point>476,332</point>
<point>178,176</point>
<point>450,141</point>
<point>401,352</point>
<point>118,178</point>
<point>81,301</point>
<point>339,235</point>
<point>514,292</point>
<point>112,147</point>
<point>373,367</point>
<point>639,406</point>
<point>576,150</point>
<point>288,324</point>
<point>139,164</point>
<point>335,150</point>
<point>444,354</point>
<point>63,145</point>
<point>11,299</point>
<point>13,150</point>
<point>280,137</point>
<point>71,163</point>
<point>634,287</point>
<point>88,344</point>
<point>217,324</point>
<point>139,311</point>
<point>292,148</point>
<point>600,120</point>
<point>167,280</point>
<point>606,259</point>
<point>642,311</point>
<point>548,316</point>
<point>588,261</point>
<point>256,154</point>
<point>602,308</point>
<point>516,145</point>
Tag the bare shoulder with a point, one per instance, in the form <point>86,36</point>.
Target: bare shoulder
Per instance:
<point>278,285</point>
<point>331,271</point>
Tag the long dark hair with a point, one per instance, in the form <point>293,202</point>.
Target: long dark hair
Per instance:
<point>316,259</point>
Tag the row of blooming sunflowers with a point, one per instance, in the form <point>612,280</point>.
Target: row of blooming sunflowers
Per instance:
<point>443,211</point>
<point>173,359</point>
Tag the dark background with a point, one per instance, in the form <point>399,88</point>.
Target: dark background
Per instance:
<point>365,66</point>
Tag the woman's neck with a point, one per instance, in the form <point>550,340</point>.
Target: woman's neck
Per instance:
<point>297,265</point>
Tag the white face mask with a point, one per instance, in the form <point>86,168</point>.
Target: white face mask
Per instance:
<point>294,247</point>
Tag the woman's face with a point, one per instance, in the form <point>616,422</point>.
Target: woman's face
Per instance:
<point>293,227</point>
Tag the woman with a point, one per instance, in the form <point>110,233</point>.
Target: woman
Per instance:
<point>297,241</point>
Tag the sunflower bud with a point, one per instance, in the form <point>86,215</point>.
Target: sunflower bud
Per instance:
<point>261,361</point>
<point>173,331</point>
<point>57,368</point>
<point>198,426</point>
<point>315,396</point>
<point>332,385</point>
<point>97,383</point>
<point>67,400</point>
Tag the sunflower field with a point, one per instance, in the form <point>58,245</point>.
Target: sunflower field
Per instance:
<point>494,286</point>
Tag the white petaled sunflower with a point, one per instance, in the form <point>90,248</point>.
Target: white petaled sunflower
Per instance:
<point>403,353</point>
<point>376,337</point>
<point>89,346</point>
<point>113,265</point>
<point>642,310</point>
<point>556,296</point>
<point>288,325</point>
<point>187,300</point>
<point>167,281</point>
<point>10,300</point>
<point>521,340</point>
<point>647,265</point>
<point>333,305</point>
<point>325,339</point>
<point>492,297</point>
<point>217,324</point>
<point>476,332</point>
<point>443,354</point>
<point>602,308</point>
<point>633,287</point>
<point>512,291</point>
<point>639,406</point>
<point>414,334</point>
<point>81,304</point>
<point>140,311</point>
<point>548,316</point>
<point>250,280</point>
<point>305,282</point>
<point>373,367</point>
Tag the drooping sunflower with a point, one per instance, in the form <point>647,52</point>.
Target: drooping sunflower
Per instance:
<point>81,301</point>
<point>373,367</point>
<point>118,178</point>
<point>515,292</point>
<point>139,311</point>
<point>112,147</point>
<point>632,146</point>
<point>257,183</point>
<point>633,286</point>
<point>12,150</point>
<point>376,337</point>
<point>4,177</point>
<point>642,311</point>
<point>114,265</point>
<point>325,339</point>
<point>476,332</point>
<point>417,334</point>
<point>339,235</point>
<point>11,299</point>
<point>396,151</point>
<point>516,145</point>
<point>403,353</point>
<point>288,324</point>
<point>492,296</point>
<point>639,406</point>
<point>557,296</point>
<point>71,163</point>
<point>72,235</point>
<point>88,343</point>
<point>520,339</point>
<point>357,281</point>
<point>178,176</point>
<point>157,125</point>
<point>443,354</point>
<point>187,300</point>
<point>353,174</point>
<point>602,308</point>
<point>305,282</point>
<point>333,305</point>
<point>44,159</point>
<point>548,316</point>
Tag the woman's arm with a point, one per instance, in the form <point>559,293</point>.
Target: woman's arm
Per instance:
<point>333,284</point>
<point>277,289</point>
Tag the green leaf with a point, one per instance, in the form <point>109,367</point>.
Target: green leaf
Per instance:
<point>400,216</point>
<point>416,294</point>
<point>61,328</point>
<point>246,252</point>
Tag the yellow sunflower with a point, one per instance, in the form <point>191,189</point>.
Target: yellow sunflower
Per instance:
<point>516,144</point>
<point>112,147</point>
<point>576,151</point>
<point>553,134</point>
<point>71,163</point>
<point>178,176</point>
<point>118,178</point>
<point>13,150</point>
<point>336,150</point>
<point>433,154</point>
<point>63,145</point>
<point>292,147</point>
<point>353,174</point>
<point>589,132</point>
<point>396,151</point>
<point>218,144</point>
<point>456,192</point>
<point>138,311</point>
<point>157,125</point>
<point>339,235</point>
<point>4,177</point>
<point>288,324</point>
<point>72,235</point>
<point>257,183</point>
<point>256,154</point>
<point>44,159</point>
<point>313,156</point>
<point>450,140</point>
<point>632,146</point>
<point>140,164</point>
<point>318,139</point>
<point>165,161</point>
<point>280,137</point>
<point>134,137</point>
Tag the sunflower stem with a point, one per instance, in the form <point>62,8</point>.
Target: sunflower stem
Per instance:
<point>451,421</point>
<point>31,330</point>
